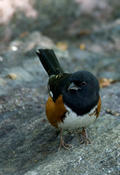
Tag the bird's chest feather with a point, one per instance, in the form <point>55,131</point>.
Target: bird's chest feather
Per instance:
<point>55,111</point>
<point>60,116</point>
<point>72,121</point>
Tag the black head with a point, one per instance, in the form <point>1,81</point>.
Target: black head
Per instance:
<point>81,93</point>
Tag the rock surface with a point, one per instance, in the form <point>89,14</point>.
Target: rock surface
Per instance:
<point>102,156</point>
<point>28,144</point>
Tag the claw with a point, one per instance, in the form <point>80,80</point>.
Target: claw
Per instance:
<point>84,137</point>
<point>62,143</point>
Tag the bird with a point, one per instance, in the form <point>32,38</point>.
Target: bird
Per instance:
<point>74,100</point>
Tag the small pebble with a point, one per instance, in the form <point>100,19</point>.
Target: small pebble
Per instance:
<point>14,48</point>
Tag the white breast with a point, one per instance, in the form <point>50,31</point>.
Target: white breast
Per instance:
<point>72,121</point>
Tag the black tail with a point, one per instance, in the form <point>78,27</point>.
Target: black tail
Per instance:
<point>49,61</point>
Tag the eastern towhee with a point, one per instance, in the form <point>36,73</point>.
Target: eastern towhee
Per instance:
<point>74,101</point>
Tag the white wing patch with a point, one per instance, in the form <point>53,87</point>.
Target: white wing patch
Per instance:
<point>51,94</point>
<point>72,121</point>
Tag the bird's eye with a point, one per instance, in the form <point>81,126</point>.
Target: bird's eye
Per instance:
<point>80,84</point>
<point>83,83</point>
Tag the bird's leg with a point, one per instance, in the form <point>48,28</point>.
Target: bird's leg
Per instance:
<point>62,143</point>
<point>84,137</point>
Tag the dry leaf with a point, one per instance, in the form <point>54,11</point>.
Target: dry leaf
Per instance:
<point>12,76</point>
<point>84,32</point>
<point>104,82</point>
<point>62,46</point>
<point>82,47</point>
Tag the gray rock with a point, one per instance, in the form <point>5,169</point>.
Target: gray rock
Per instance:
<point>101,65</point>
<point>29,145</point>
<point>21,59</point>
<point>102,156</point>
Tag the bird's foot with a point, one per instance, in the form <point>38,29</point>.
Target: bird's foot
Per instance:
<point>64,145</point>
<point>84,137</point>
<point>85,140</point>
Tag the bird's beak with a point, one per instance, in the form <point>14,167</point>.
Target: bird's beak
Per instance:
<point>72,87</point>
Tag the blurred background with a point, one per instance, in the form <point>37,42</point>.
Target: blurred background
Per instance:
<point>85,34</point>
<point>70,20</point>
<point>90,25</point>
